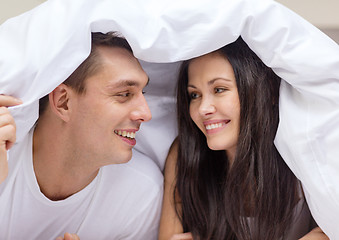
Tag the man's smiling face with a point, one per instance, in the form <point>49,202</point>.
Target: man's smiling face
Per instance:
<point>108,115</point>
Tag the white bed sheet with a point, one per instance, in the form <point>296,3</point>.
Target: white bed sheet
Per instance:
<point>40,48</point>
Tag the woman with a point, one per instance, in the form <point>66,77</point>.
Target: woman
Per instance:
<point>224,178</point>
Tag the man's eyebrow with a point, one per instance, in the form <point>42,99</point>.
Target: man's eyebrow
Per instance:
<point>125,83</point>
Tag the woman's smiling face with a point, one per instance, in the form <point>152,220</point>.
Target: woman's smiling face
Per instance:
<point>214,105</point>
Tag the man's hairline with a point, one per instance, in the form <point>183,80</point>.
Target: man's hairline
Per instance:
<point>98,62</point>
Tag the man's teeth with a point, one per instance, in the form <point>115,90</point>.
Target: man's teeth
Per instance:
<point>213,126</point>
<point>125,133</point>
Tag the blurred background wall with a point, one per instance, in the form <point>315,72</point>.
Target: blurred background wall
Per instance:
<point>324,14</point>
<point>11,8</point>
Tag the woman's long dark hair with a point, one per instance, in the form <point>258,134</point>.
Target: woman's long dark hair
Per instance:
<point>255,198</point>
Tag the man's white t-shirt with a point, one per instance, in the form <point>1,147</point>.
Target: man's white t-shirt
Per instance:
<point>122,202</point>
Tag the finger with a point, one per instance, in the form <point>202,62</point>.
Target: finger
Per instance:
<point>4,110</point>
<point>69,236</point>
<point>6,118</point>
<point>7,128</point>
<point>9,101</point>
<point>75,237</point>
<point>59,238</point>
<point>9,145</point>
<point>7,136</point>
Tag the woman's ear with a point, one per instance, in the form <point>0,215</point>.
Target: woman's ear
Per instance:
<point>60,99</point>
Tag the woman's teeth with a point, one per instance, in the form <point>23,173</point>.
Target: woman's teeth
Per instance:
<point>213,126</point>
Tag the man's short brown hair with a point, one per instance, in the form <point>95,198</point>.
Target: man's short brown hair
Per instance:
<point>91,64</point>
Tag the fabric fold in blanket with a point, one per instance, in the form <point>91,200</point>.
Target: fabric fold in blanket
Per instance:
<point>41,48</point>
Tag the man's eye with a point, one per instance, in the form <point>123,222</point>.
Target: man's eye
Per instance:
<point>124,94</point>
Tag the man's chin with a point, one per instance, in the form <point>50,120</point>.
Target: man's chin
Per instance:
<point>124,159</point>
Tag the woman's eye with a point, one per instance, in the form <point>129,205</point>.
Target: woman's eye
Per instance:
<point>219,90</point>
<point>194,95</point>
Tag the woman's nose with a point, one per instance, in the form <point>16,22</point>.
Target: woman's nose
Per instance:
<point>207,106</point>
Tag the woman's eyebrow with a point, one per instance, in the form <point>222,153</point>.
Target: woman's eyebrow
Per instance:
<point>215,79</point>
<point>190,86</point>
<point>211,82</point>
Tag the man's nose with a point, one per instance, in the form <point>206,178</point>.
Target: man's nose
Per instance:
<point>142,113</point>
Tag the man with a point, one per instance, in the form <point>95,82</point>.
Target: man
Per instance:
<point>65,175</point>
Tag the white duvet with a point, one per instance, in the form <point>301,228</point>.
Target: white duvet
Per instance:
<point>40,48</point>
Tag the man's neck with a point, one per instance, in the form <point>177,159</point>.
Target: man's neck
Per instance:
<point>59,172</point>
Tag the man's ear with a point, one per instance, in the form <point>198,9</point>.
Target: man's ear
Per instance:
<point>60,101</point>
